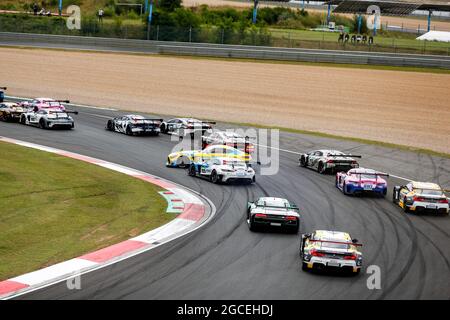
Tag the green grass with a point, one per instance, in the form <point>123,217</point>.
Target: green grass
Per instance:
<point>390,42</point>
<point>55,208</point>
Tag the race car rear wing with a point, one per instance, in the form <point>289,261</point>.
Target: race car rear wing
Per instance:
<point>339,242</point>
<point>65,111</point>
<point>377,174</point>
<point>344,155</point>
<point>149,119</point>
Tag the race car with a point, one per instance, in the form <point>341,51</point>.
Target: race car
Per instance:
<point>185,126</point>
<point>421,196</point>
<point>182,159</point>
<point>132,124</point>
<point>10,111</point>
<point>328,160</point>
<point>228,138</point>
<point>225,170</point>
<point>2,94</point>
<point>44,103</point>
<point>336,250</point>
<point>362,180</point>
<point>273,212</point>
<point>48,118</point>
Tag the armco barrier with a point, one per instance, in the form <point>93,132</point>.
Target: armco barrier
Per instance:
<point>225,51</point>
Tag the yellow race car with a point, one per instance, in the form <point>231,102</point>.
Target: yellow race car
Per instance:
<point>421,196</point>
<point>182,159</point>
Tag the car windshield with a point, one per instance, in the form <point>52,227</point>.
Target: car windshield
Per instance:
<point>429,192</point>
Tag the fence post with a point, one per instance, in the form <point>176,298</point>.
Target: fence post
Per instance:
<point>190,33</point>
<point>157,32</point>
<point>223,34</point>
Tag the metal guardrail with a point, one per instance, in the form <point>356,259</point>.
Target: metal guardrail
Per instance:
<point>226,51</point>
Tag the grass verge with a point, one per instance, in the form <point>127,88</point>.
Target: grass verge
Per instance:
<point>55,208</point>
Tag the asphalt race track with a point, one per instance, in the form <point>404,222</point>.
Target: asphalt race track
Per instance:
<point>224,260</point>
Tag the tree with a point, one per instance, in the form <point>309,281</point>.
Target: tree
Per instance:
<point>169,5</point>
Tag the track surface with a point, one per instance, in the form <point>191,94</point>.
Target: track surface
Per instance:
<point>224,260</point>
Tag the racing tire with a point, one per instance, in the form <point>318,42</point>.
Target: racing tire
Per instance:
<point>321,168</point>
<point>128,131</point>
<point>304,266</point>
<point>163,128</point>
<point>110,126</point>
<point>303,162</point>
<point>251,226</point>
<point>191,171</point>
<point>294,230</point>
<point>23,120</point>
<point>215,178</point>
<point>253,179</point>
<point>344,189</point>
<point>405,207</point>
<point>394,200</point>
<point>42,124</point>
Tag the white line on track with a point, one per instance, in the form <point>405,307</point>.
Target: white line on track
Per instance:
<point>111,109</point>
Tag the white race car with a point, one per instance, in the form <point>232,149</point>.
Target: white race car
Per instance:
<point>228,138</point>
<point>48,118</point>
<point>323,249</point>
<point>220,169</point>
<point>132,124</point>
<point>328,160</point>
<point>185,126</point>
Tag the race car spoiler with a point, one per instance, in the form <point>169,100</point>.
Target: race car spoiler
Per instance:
<point>338,242</point>
<point>381,174</point>
<point>153,120</point>
<point>344,155</point>
<point>3,88</point>
<point>65,111</point>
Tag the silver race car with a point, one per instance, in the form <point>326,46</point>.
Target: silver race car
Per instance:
<point>132,124</point>
<point>48,118</point>
<point>328,160</point>
<point>186,126</point>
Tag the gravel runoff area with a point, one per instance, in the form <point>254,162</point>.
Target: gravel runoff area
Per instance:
<point>408,108</point>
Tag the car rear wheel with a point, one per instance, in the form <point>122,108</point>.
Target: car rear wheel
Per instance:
<point>163,128</point>
<point>251,225</point>
<point>23,120</point>
<point>110,125</point>
<point>344,189</point>
<point>303,161</point>
<point>394,196</point>
<point>191,170</point>
<point>321,168</point>
<point>304,266</point>
<point>42,124</point>
<point>215,177</point>
<point>405,207</point>
<point>128,131</point>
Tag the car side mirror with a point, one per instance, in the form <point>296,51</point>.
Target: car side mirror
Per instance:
<point>354,240</point>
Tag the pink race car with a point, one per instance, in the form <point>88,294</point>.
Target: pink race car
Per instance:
<point>362,180</point>
<point>44,103</point>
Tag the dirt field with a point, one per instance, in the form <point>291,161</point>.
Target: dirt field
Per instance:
<point>399,107</point>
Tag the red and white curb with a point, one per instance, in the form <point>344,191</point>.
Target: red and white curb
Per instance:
<point>196,210</point>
